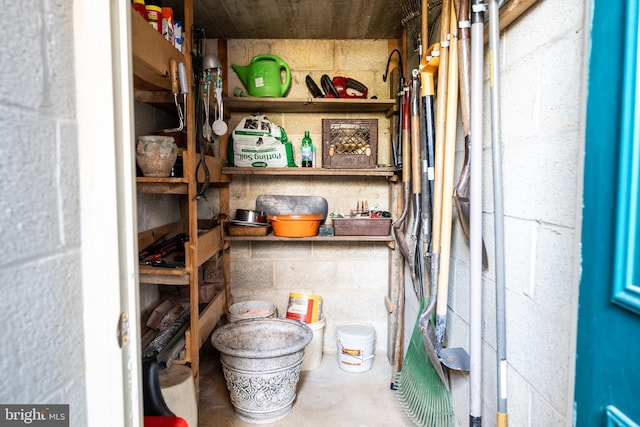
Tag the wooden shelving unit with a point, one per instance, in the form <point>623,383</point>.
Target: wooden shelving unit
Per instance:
<point>390,173</point>
<point>151,61</point>
<point>310,105</point>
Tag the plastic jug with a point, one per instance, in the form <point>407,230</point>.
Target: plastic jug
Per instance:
<point>263,76</point>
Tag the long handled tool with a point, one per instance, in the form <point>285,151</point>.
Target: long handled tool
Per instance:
<point>498,211</point>
<point>396,146</point>
<point>455,357</point>
<point>461,190</point>
<point>441,119</point>
<point>416,184</point>
<point>424,322</point>
<point>475,236</point>
<point>422,383</point>
<point>400,237</point>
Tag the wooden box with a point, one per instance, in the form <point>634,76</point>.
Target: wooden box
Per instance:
<point>349,143</point>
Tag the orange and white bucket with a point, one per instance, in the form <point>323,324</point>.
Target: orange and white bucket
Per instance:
<point>305,308</point>
<point>356,344</point>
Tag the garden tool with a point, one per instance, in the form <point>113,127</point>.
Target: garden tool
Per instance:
<point>423,387</point>
<point>498,212</point>
<point>416,181</point>
<point>475,222</point>
<point>461,191</point>
<point>397,147</point>
<point>399,235</point>
<point>455,357</point>
<point>178,77</point>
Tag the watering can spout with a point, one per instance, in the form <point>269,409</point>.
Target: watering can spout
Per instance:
<point>243,73</point>
<point>265,76</point>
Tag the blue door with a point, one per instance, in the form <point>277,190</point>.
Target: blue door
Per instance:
<point>607,391</point>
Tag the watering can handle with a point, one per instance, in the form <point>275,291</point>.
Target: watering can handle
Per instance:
<point>280,62</point>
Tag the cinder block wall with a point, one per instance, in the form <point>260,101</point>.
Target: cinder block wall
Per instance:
<point>541,65</point>
<point>41,349</point>
<point>352,278</point>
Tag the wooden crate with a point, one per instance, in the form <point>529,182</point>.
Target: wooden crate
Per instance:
<point>349,143</point>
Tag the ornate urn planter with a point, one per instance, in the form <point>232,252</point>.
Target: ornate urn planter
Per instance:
<point>261,361</point>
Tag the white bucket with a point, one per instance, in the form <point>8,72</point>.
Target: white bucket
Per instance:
<point>251,310</point>
<point>313,351</point>
<point>179,392</point>
<point>356,343</point>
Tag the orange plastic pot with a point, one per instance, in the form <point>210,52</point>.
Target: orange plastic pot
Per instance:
<point>296,225</point>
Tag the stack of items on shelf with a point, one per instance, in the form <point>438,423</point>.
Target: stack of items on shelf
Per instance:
<point>164,324</point>
<point>362,221</point>
<point>161,19</point>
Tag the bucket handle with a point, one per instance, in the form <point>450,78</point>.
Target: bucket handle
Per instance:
<point>362,359</point>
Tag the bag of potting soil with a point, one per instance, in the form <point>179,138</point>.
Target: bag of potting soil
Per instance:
<point>258,143</point>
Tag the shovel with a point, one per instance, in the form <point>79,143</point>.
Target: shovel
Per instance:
<point>453,358</point>
<point>428,149</point>
<point>399,235</point>
<point>461,191</point>
<point>415,259</point>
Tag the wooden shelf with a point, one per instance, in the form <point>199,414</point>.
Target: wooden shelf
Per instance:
<point>151,56</point>
<point>383,172</point>
<point>180,185</point>
<point>310,105</point>
<point>272,238</point>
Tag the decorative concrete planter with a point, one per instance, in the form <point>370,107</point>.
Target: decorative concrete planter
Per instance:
<point>261,361</point>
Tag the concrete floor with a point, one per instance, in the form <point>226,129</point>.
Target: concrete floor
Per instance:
<point>326,396</point>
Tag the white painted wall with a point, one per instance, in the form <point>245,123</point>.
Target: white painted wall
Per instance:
<point>42,343</point>
<point>541,65</point>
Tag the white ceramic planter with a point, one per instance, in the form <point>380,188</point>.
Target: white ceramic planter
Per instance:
<point>261,361</point>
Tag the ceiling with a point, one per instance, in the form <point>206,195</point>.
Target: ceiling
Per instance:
<point>322,19</point>
<point>301,19</point>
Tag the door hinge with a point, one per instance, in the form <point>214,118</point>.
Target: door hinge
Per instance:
<point>123,330</point>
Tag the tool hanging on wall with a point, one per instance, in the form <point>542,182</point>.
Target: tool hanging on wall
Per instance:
<point>423,386</point>
<point>475,220</point>
<point>198,67</point>
<point>178,78</point>
<point>461,190</point>
<point>498,213</point>
<point>396,147</point>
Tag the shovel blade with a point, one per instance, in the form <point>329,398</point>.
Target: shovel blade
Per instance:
<point>455,358</point>
<point>429,337</point>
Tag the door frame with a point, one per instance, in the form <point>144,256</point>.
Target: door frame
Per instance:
<point>104,113</point>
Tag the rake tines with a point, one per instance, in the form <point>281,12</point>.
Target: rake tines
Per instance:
<point>422,395</point>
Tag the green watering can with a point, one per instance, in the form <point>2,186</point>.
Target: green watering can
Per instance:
<point>263,76</point>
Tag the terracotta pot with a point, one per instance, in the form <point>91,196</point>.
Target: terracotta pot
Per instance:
<point>156,155</point>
